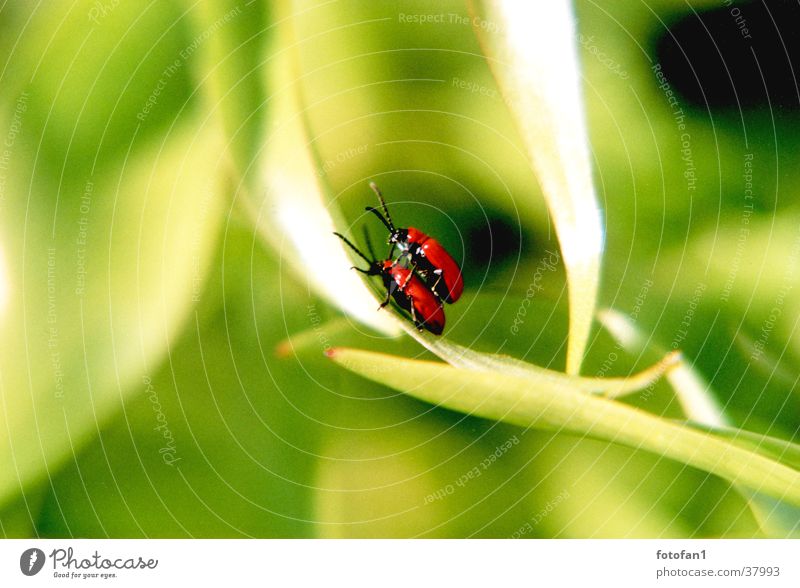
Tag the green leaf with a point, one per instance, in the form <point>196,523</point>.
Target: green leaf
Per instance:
<point>212,443</point>
<point>518,401</point>
<point>97,83</point>
<point>429,475</point>
<point>616,491</point>
<point>783,451</point>
<point>777,518</point>
<point>700,405</point>
<point>464,357</point>
<point>539,75</point>
<point>226,53</point>
<point>292,214</point>
<point>694,395</point>
<point>18,517</point>
<point>94,304</point>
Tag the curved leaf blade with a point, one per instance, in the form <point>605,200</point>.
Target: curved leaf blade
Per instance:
<point>293,215</point>
<point>228,69</point>
<point>516,401</point>
<point>539,74</point>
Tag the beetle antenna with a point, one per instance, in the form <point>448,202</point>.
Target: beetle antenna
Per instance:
<point>378,193</point>
<point>356,249</point>
<point>377,213</point>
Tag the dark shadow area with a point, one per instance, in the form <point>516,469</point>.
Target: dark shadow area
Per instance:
<point>739,56</point>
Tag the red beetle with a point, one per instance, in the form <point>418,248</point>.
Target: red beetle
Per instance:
<point>408,291</point>
<point>435,264</point>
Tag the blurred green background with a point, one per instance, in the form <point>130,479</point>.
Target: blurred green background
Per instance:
<point>143,394</point>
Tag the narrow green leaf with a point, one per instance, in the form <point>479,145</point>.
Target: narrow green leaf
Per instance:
<point>226,53</point>
<point>313,337</point>
<point>539,75</point>
<point>700,404</point>
<point>777,518</point>
<point>694,394</point>
<point>293,215</point>
<point>122,279</point>
<point>464,357</point>
<point>550,405</point>
<point>784,451</point>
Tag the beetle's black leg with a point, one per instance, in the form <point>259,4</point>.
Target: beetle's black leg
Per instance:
<point>434,287</point>
<point>414,318</point>
<point>385,303</point>
<point>412,269</point>
<point>354,248</point>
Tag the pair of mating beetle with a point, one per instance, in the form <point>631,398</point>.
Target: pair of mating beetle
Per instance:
<point>421,278</point>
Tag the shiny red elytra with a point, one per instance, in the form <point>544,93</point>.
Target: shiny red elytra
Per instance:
<point>408,291</point>
<point>440,271</point>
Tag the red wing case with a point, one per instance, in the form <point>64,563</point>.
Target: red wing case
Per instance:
<point>427,307</point>
<point>439,259</point>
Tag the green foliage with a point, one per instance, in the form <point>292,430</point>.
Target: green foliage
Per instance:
<point>166,204</point>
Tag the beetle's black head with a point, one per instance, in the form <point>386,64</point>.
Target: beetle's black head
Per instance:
<point>377,268</point>
<point>398,236</point>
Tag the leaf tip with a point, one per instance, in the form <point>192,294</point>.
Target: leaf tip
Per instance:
<point>284,349</point>
<point>672,359</point>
